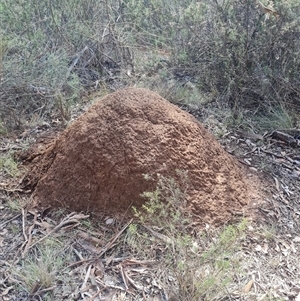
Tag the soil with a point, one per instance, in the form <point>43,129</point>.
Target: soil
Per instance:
<point>101,263</point>
<point>99,162</point>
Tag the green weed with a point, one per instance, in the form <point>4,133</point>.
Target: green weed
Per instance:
<point>14,204</point>
<point>201,272</point>
<point>9,165</point>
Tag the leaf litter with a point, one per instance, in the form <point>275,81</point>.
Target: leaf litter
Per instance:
<point>102,266</point>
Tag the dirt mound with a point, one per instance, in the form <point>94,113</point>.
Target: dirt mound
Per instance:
<point>98,162</point>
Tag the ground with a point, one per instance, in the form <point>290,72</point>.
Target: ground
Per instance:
<point>63,255</point>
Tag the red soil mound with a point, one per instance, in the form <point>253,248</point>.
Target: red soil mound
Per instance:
<point>97,163</point>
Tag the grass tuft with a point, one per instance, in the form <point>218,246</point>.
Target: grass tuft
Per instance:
<point>9,165</point>
<point>42,268</point>
<point>277,118</point>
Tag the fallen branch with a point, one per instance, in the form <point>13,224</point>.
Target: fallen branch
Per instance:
<point>285,138</point>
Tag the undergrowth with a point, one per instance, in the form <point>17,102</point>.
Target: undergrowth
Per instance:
<point>242,54</point>
<point>277,117</point>
<point>8,165</point>
<point>43,269</point>
<point>203,264</point>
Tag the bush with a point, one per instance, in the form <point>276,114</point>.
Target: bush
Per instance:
<point>244,54</point>
<point>237,52</point>
<point>240,53</point>
<point>190,266</point>
<point>54,50</point>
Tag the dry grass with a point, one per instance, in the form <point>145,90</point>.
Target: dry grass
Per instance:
<point>235,262</point>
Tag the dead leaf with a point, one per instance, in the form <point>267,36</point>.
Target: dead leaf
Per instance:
<point>277,184</point>
<point>265,248</point>
<point>248,286</point>
<point>99,269</point>
<point>109,221</point>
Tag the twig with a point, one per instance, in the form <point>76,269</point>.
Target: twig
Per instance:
<point>14,190</point>
<point>28,241</point>
<point>75,62</point>
<point>139,288</point>
<point>124,277</point>
<point>45,290</point>
<point>86,278</point>
<point>94,296</point>
<point>71,218</point>
<point>78,254</point>
<point>110,244</point>
<point>8,221</point>
<point>245,163</point>
<point>68,220</point>
<point>10,148</point>
<point>272,154</point>
<point>251,152</point>
<point>23,224</point>
<point>92,259</point>
<point>290,140</point>
<point>138,262</point>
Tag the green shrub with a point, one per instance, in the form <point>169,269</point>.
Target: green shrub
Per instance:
<point>55,49</point>
<point>232,51</point>
<point>240,54</point>
<point>201,268</point>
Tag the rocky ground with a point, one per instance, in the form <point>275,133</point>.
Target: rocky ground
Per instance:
<point>62,255</point>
